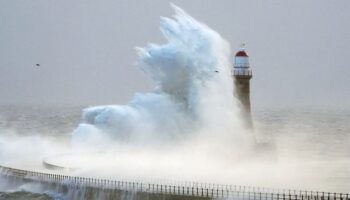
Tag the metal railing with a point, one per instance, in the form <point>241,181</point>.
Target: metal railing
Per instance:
<point>189,189</point>
<point>240,72</point>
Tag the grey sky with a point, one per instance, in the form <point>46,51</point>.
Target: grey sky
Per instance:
<point>299,49</point>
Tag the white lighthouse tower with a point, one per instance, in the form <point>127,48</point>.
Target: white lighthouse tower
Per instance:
<point>241,75</point>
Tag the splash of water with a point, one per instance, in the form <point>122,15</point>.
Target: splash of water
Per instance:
<point>193,93</point>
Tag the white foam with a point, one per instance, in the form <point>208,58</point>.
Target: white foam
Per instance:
<point>193,93</point>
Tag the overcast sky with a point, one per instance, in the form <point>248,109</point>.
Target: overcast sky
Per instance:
<point>299,49</point>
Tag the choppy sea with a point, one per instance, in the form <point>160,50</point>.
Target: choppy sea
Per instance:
<point>327,130</point>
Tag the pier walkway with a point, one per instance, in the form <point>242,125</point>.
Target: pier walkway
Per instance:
<point>164,191</point>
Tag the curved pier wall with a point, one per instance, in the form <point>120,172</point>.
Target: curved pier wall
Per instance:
<point>90,188</point>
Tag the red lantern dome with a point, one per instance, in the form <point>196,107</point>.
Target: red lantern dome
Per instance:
<point>241,53</point>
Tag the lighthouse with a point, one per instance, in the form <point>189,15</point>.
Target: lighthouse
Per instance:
<point>242,74</point>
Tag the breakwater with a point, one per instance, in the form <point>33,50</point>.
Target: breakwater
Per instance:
<point>93,188</point>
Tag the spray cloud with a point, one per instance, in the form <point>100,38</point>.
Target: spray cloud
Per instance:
<point>192,96</point>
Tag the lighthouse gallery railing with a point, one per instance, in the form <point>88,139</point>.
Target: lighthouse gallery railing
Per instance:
<point>240,72</point>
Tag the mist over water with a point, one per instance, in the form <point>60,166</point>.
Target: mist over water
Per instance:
<point>188,126</point>
<point>187,129</point>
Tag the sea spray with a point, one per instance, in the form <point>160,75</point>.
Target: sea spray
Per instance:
<point>193,96</point>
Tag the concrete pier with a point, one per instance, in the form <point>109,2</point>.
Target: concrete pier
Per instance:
<point>91,188</point>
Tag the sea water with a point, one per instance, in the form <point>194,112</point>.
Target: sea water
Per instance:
<point>322,134</point>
